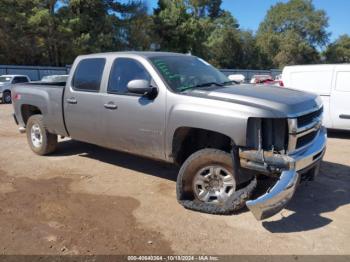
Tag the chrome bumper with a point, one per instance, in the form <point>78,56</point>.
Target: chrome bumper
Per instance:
<point>279,195</point>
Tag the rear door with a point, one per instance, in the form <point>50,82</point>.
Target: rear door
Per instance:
<point>83,106</point>
<point>134,122</point>
<point>340,98</point>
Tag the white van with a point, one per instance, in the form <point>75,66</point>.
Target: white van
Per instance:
<point>331,82</point>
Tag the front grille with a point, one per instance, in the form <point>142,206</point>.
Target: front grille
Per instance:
<point>309,118</point>
<point>303,129</point>
<point>304,140</point>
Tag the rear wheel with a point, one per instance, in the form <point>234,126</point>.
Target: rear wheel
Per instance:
<point>207,183</point>
<point>41,141</point>
<point>6,97</point>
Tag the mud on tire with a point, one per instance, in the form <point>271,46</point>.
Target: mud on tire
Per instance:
<point>48,141</point>
<point>184,186</point>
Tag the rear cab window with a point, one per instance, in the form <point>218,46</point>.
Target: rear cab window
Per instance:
<point>19,79</point>
<point>88,74</point>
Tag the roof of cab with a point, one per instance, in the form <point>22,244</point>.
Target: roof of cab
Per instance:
<point>146,54</point>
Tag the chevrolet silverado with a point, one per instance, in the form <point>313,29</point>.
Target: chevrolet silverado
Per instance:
<point>180,109</point>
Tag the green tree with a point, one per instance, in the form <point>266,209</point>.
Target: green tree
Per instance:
<point>292,32</point>
<point>186,25</point>
<point>44,22</point>
<point>205,8</point>
<point>252,57</point>
<point>214,8</point>
<point>107,25</point>
<point>53,32</point>
<point>339,51</point>
<point>19,44</point>
<point>93,30</point>
<point>169,19</point>
<point>223,44</point>
<point>137,28</point>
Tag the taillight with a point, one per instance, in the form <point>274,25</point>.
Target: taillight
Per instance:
<point>16,96</point>
<point>281,83</point>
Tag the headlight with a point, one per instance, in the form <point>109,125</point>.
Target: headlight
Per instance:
<point>267,134</point>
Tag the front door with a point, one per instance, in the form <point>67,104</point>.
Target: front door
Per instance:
<point>134,122</point>
<point>340,98</point>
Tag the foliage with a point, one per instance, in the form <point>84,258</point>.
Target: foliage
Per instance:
<point>224,46</point>
<point>291,33</point>
<point>170,22</point>
<point>54,32</point>
<point>339,51</point>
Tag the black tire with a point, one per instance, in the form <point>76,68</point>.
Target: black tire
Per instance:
<point>6,97</point>
<point>197,161</point>
<point>48,140</point>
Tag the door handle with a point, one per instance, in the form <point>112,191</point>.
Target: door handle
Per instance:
<point>72,100</point>
<point>344,116</point>
<point>110,106</point>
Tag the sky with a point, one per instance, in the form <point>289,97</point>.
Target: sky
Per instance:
<point>250,13</point>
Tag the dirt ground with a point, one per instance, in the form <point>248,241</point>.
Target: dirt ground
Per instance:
<point>89,200</point>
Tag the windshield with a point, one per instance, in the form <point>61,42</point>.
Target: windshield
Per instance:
<point>5,79</point>
<point>187,72</point>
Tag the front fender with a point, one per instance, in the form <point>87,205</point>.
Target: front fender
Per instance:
<point>214,119</point>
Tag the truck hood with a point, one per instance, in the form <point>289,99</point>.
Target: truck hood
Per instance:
<point>281,101</point>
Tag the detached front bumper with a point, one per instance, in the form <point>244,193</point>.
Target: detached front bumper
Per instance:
<point>291,167</point>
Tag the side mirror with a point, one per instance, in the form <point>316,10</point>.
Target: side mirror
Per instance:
<point>141,87</point>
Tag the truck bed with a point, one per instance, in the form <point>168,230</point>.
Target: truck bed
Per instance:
<point>45,96</point>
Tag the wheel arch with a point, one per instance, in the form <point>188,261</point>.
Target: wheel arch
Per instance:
<point>28,110</point>
<point>187,140</point>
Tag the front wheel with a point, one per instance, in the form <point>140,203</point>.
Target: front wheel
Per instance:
<point>207,183</point>
<point>6,98</point>
<point>41,141</point>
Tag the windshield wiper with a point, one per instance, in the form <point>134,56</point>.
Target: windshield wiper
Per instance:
<point>200,85</point>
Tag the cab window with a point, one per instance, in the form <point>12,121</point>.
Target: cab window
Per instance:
<point>123,71</point>
<point>88,75</point>
<point>19,79</point>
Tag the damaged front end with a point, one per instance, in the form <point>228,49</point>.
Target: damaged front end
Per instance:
<point>288,149</point>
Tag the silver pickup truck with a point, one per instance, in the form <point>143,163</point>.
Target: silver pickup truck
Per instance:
<point>178,108</point>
